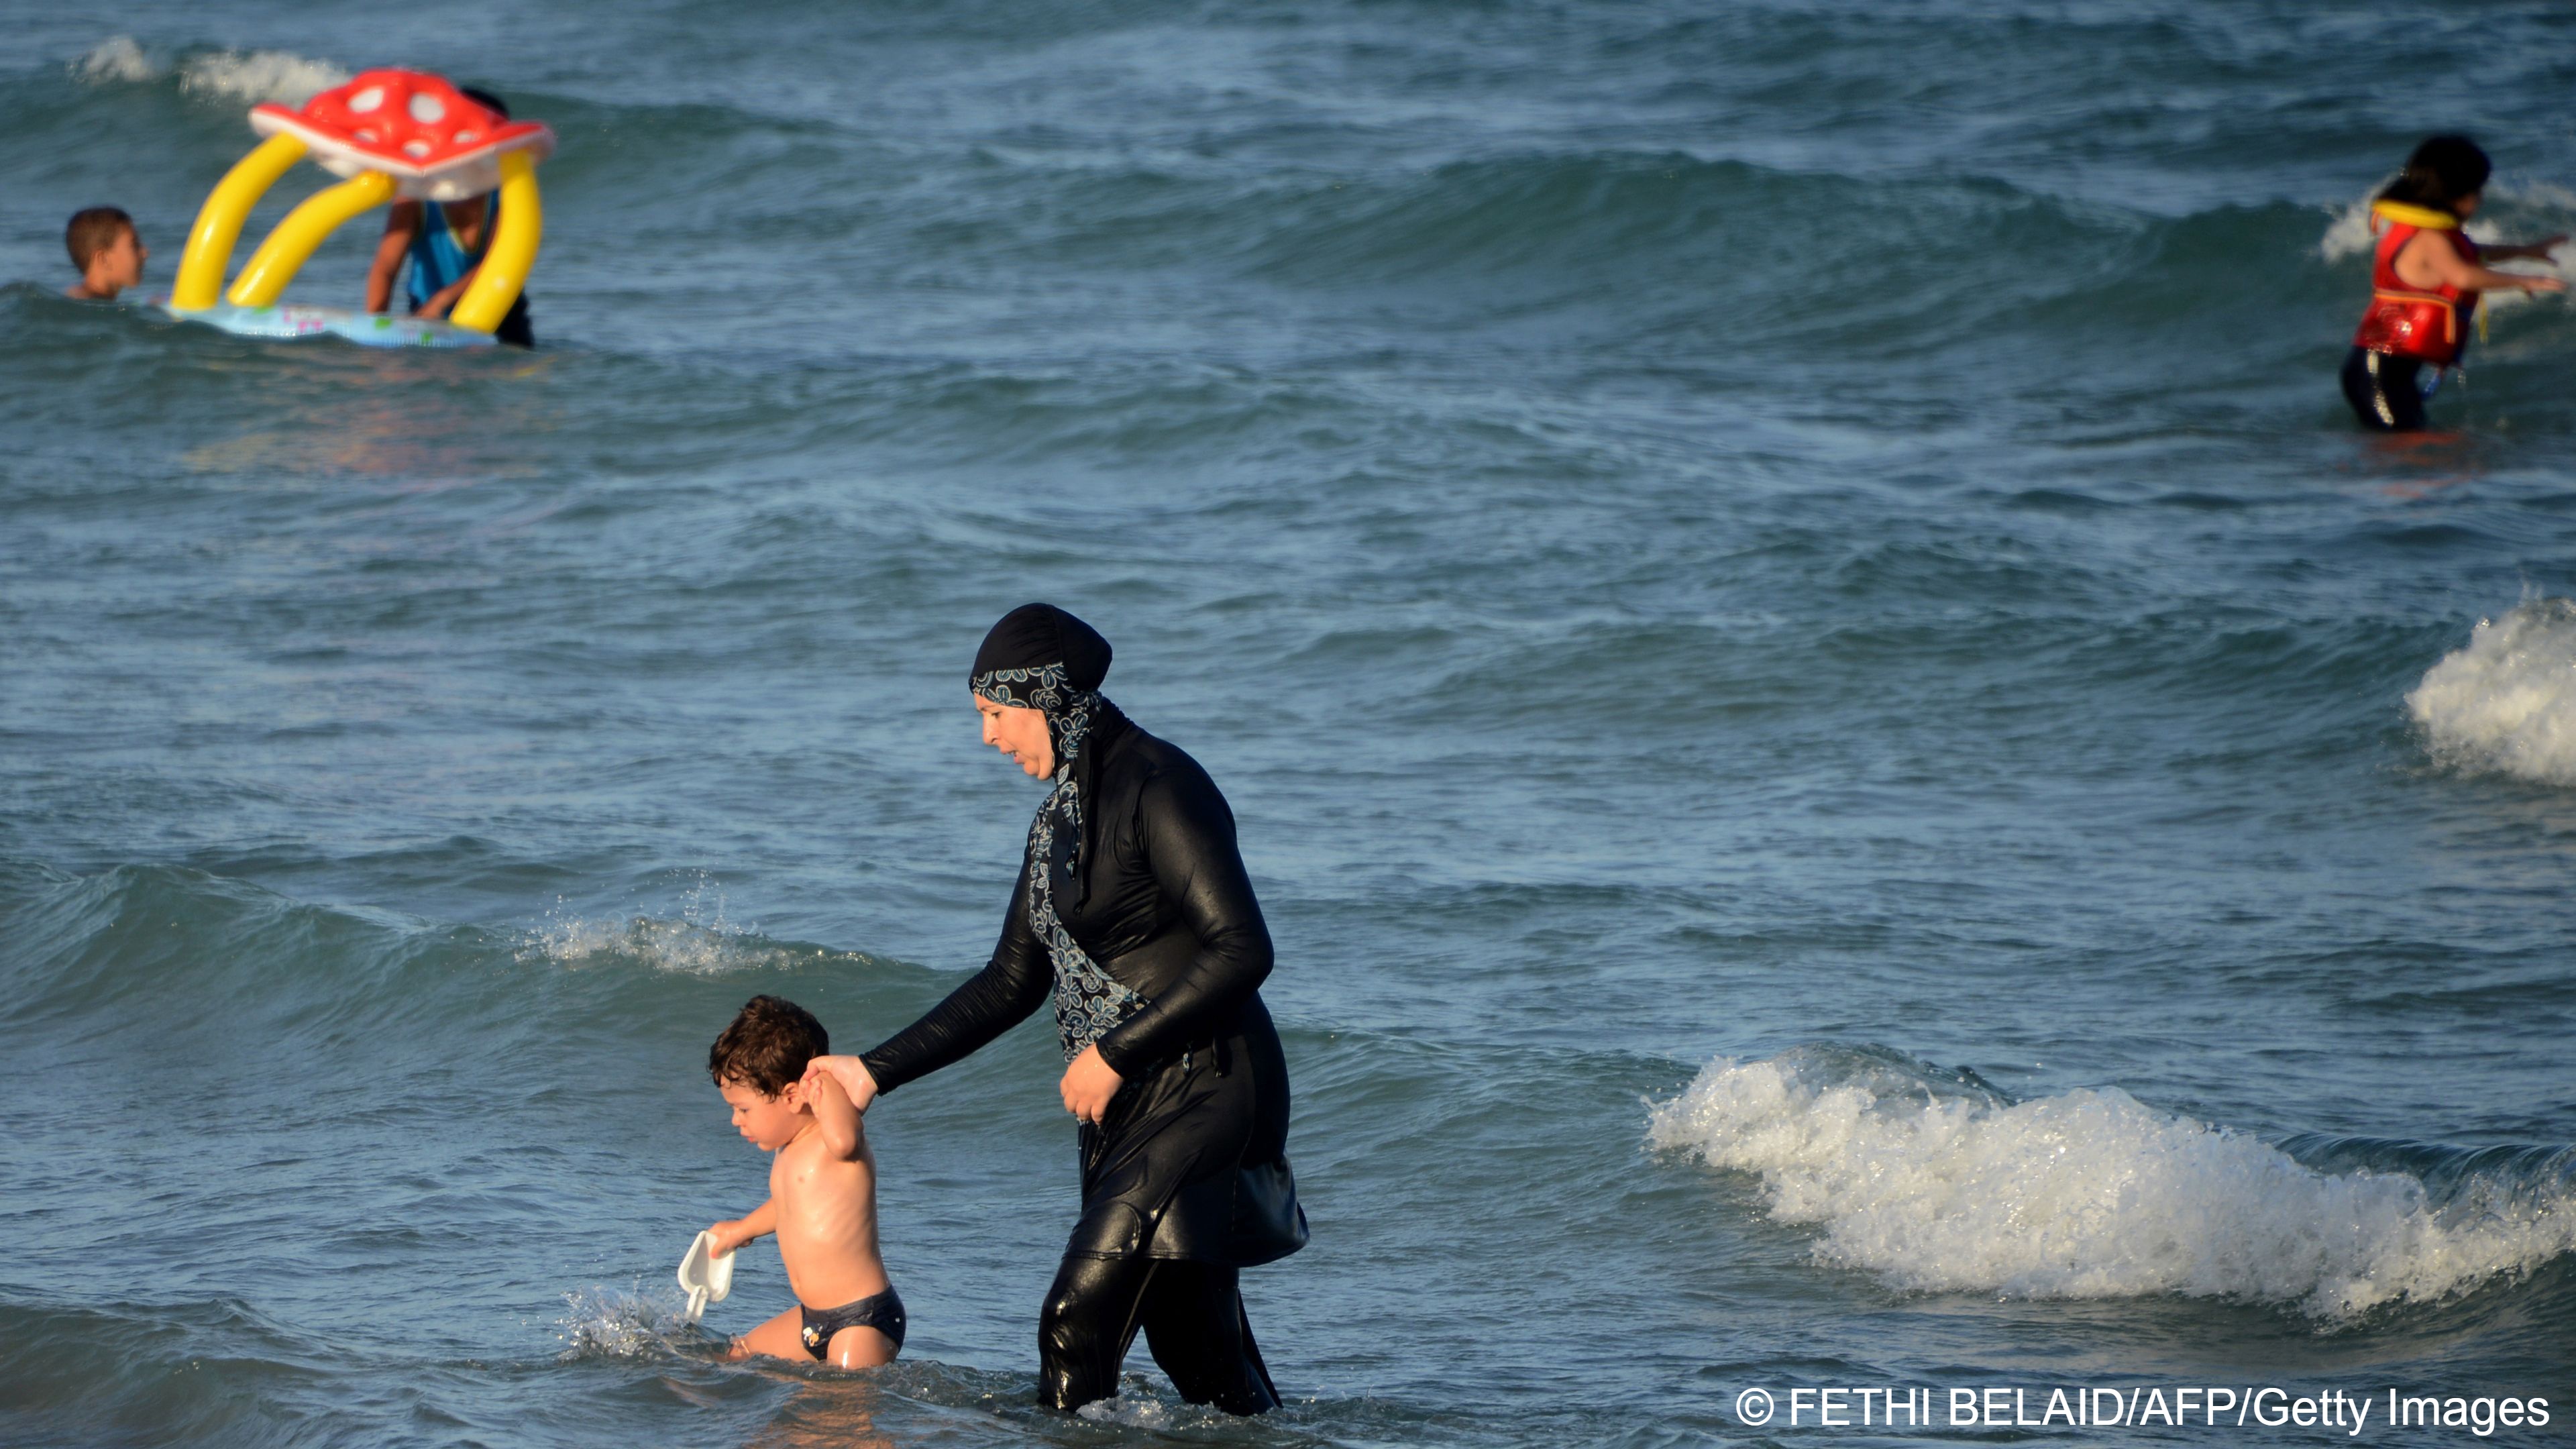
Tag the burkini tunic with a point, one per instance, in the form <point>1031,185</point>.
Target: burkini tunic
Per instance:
<point>1190,1160</point>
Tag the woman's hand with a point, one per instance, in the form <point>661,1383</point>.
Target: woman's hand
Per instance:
<point>850,1073</point>
<point>1089,1084</point>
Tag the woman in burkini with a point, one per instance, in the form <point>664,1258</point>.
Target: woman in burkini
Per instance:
<point>1132,910</point>
<point>2425,277</point>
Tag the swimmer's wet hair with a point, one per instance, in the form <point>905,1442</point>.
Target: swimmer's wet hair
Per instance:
<point>94,231</point>
<point>2442,173</point>
<point>768,1045</point>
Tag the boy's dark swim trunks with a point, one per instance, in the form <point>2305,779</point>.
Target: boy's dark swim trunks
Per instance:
<point>882,1312</point>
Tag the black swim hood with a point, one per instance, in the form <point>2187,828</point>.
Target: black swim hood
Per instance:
<point>1033,636</point>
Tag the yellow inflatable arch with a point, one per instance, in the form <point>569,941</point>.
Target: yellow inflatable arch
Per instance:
<point>391,133</point>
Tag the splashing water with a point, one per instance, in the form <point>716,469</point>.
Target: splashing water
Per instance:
<point>2091,1194</point>
<point>702,940</point>
<point>2505,702</point>
<point>630,1323</point>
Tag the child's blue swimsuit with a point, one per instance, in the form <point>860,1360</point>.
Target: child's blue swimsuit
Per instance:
<point>882,1312</point>
<point>437,261</point>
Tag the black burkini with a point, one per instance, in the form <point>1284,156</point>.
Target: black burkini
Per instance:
<point>1154,950</point>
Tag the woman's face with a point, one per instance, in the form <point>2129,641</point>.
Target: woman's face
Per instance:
<point>1019,732</point>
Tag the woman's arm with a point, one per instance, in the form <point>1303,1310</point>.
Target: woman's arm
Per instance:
<point>997,998</point>
<point>400,224</point>
<point>2427,267</point>
<point>1189,842</point>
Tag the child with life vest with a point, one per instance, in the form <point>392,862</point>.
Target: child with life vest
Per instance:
<point>2425,277</point>
<point>444,242</point>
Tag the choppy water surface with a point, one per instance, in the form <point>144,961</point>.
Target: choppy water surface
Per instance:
<point>1860,779</point>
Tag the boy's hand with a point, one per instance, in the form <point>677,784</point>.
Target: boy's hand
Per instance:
<point>850,1072</point>
<point>1088,1085</point>
<point>729,1236</point>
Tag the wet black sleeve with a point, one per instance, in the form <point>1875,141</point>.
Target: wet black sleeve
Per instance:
<point>991,1002</point>
<point>1189,843</point>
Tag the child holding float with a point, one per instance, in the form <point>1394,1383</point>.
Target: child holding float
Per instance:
<point>394,135</point>
<point>445,241</point>
<point>2425,279</point>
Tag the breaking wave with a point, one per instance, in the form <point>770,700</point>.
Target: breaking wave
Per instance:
<point>1936,1181</point>
<point>257,75</point>
<point>2505,702</point>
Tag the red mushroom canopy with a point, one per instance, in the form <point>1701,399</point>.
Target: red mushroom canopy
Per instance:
<point>435,142</point>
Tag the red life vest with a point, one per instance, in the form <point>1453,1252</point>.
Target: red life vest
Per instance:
<point>2405,322</point>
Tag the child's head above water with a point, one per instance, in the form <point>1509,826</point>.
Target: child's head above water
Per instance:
<point>758,1063</point>
<point>107,250</point>
<point>2446,173</point>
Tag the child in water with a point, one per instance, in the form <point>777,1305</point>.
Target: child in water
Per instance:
<point>108,251</point>
<point>822,1191</point>
<point>444,242</point>
<point>2425,277</point>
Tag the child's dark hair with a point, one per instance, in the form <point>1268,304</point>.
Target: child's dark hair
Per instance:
<point>2442,173</point>
<point>486,100</point>
<point>768,1045</point>
<point>93,231</point>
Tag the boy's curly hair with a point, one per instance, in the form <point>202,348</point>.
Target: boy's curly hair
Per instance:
<point>767,1046</point>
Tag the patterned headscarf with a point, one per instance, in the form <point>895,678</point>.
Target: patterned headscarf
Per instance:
<point>1040,657</point>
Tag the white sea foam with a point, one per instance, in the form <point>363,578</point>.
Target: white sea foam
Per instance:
<point>225,75</point>
<point>2349,233</point>
<point>2506,701</point>
<point>116,59</point>
<point>2091,1194</point>
<point>259,75</point>
<point>628,1323</point>
<point>1137,1407</point>
<point>1132,1413</point>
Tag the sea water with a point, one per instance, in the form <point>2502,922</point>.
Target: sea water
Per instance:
<point>1860,779</point>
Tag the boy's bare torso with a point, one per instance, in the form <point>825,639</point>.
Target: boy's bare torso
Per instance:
<point>827,1221</point>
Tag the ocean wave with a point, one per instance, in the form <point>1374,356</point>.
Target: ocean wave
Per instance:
<point>1935,1182</point>
<point>2505,702</point>
<point>257,75</point>
<point>130,1371</point>
<point>701,940</point>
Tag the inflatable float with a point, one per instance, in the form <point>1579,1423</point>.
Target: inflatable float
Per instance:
<point>393,134</point>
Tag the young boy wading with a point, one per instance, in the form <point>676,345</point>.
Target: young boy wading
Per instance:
<point>822,1191</point>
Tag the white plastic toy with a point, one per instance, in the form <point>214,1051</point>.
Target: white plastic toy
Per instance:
<point>705,1277</point>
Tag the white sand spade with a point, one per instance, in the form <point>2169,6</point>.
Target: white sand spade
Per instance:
<point>706,1277</point>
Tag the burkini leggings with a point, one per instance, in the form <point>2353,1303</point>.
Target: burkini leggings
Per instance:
<point>1192,1314</point>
